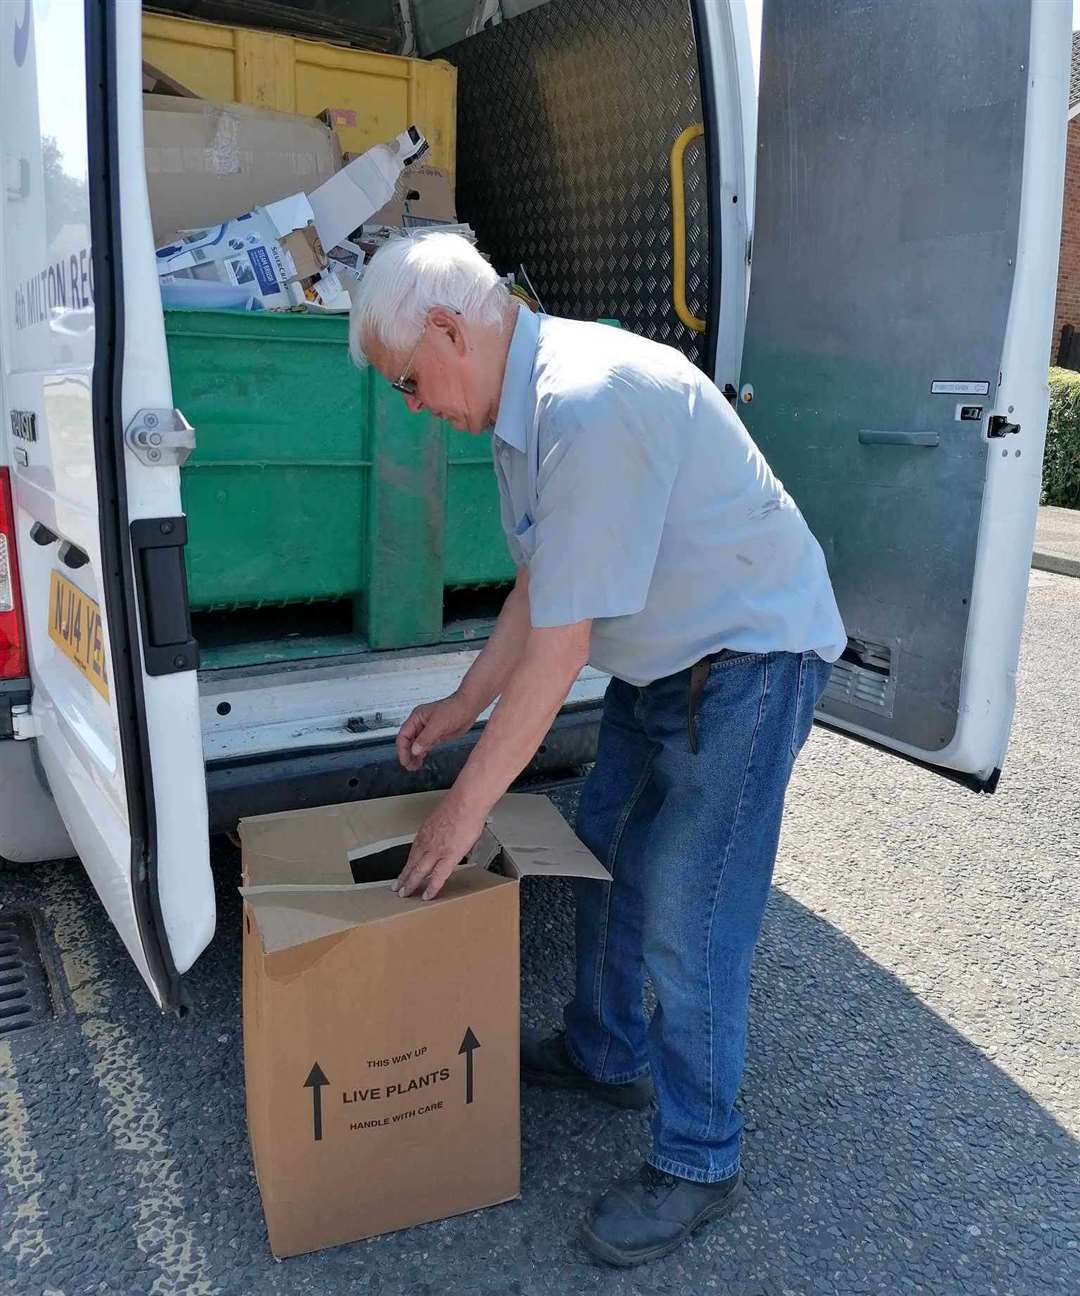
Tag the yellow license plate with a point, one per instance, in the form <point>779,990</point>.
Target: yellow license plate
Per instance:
<point>75,627</point>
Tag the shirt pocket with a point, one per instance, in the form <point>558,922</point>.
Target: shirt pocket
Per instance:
<point>525,537</point>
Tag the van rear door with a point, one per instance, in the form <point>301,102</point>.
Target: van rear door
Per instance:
<point>909,180</point>
<point>115,709</point>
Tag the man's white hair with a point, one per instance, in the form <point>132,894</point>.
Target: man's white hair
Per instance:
<point>409,276</point>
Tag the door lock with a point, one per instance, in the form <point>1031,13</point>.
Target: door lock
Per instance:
<point>1000,426</point>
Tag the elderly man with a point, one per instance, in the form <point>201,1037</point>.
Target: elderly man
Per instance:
<point>652,540</point>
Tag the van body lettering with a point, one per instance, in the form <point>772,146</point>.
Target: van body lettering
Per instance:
<point>67,284</point>
<point>24,425</point>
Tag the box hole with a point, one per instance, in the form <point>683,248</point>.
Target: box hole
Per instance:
<point>381,866</point>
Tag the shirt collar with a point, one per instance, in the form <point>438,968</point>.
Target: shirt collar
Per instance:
<point>511,426</point>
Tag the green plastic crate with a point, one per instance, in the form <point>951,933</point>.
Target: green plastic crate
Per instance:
<point>313,481</point>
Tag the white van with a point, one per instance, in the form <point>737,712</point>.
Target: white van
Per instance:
<point>889,354</point>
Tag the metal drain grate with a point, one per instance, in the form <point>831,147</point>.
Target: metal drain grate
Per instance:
<point>24,987</point>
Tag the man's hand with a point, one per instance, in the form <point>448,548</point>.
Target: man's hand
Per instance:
<point>429,725</point>
<point>447,836</point>
<point>529,704</point>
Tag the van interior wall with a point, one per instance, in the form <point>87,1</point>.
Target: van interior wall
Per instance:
<point>566,119</point>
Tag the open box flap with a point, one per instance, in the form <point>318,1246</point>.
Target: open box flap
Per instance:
<point>290,916</point>
<point>305,846</point>
<point>537,841</point>
<point>388,817</point>
<point>314,846</point>
<point>298,865</point>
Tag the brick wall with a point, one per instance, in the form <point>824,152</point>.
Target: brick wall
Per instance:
<point>1067,309</point>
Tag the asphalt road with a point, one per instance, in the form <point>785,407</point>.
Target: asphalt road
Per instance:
<point>912,1095</point>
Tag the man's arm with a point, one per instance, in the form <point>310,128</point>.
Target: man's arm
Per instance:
<point>605,479</point>
<point>434,722</point>
<point>536,689</point>
<point>487,676</point>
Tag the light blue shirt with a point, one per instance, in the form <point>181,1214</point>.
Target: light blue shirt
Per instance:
<point>636,498</point>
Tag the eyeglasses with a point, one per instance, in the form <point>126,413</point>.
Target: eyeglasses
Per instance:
<point>405,384</point>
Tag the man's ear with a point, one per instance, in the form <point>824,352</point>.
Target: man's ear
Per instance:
<point>453,325</point>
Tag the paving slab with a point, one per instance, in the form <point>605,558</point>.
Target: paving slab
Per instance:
<point>1057,541</point>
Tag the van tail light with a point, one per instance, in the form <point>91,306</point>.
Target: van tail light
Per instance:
<point>13,663</point>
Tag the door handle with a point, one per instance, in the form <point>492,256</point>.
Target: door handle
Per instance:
<point>161,581</point>
<point>71,555</point>
<point>41,535</point>
<point>678,227</point>
<point>929,439</point>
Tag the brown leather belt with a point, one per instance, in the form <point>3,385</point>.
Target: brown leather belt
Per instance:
<point>699,677</point>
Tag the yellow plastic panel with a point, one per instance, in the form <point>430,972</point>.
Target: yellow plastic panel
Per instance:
<point>259,68</point>
<point>381,103</point>
<point>198,55</point>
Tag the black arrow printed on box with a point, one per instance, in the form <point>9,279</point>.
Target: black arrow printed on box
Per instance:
<point>315,1082</point>
<point>468,1044</point>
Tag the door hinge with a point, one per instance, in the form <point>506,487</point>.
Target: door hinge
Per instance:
<point>160,438</point>
<point>1000,426</point>
<point>15,695</point>
<point>23,724</point>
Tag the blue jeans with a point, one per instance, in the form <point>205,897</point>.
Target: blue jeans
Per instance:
<point>690,841</point>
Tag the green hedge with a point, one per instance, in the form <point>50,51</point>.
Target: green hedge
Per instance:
<point>1061,463</point>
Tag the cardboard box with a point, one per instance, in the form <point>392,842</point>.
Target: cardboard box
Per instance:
<point>344,202</point>
<point>208,162</point>
<point>154,81</point>
<point>276,250</point>
<point>427,193</point>
<point>381,1034</point>
<point>269,251</point>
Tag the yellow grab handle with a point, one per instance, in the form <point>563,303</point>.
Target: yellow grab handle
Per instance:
<point>678,228</point>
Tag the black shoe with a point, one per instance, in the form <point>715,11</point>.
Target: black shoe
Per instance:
<point>648,1216</point>
<point>547,1064</point>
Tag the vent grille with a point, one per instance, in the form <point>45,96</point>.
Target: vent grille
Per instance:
<point>859,687</point>
<point>863,677</point>
<point>24,988</point>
